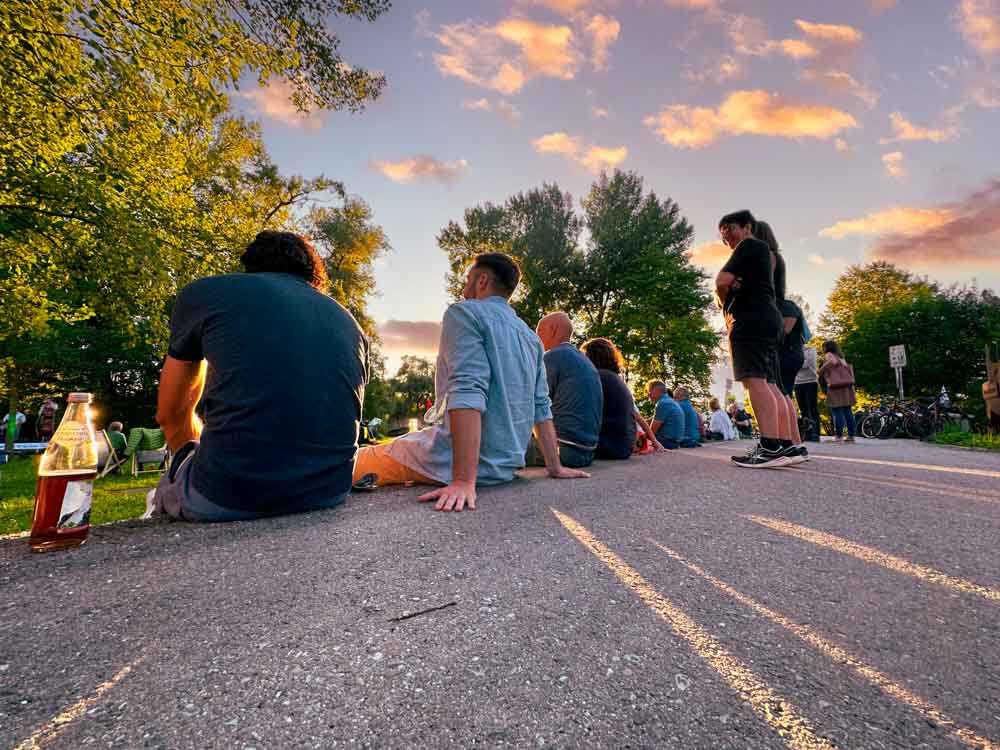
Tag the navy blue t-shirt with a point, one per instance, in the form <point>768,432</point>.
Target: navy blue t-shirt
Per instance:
<point>577,400</point>
<point>287,368</point>
<point>618,429</point>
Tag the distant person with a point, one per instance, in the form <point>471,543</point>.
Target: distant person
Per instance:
<point>742,419</point>
<point>692,422</point>
<point>117,438</point>
<point>720,424</point>
<point>575,390</point>
<point>840,396</point>
<point>790,354</point>
<point>19,419</point>
<point>45,425</point>
<point>490,391</point>
<point>261,345</point>
<point>745,292</point>
<point>620,418</point>
<point>807,393</point>
<point>668,417</point>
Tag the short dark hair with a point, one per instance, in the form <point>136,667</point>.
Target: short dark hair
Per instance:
<point>740,218</point>
<point>285,252</point>
<point>603,354</point>
<point>506,272</point>
<point>830,347</point>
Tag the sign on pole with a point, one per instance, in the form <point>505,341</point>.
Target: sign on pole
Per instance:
<point>897,360</point>
<point>897,356</point>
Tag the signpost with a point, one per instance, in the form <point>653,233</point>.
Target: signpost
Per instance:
<point>897,361</point>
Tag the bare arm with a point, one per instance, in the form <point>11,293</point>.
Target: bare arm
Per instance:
<point>545,434</point>
<point>647,430</point>
<point>181,386</point>
<point>789,325</point>
<point>466,436</point>
<point>724,283</point>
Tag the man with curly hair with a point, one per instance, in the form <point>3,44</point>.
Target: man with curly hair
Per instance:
<point>260,346</point>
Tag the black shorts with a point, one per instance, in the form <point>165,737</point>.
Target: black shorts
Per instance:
<point>754,358</point>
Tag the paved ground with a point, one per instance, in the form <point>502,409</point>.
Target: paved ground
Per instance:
<point>670,601</point>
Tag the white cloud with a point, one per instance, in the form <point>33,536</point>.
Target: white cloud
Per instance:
<point>501,107</point>
<point>274,102</point>
<point>900,220</point>
<point>979,23</point>
<point>603,31</point>
<point>477,104</point>
<point>591,157</point>
<point>816,260</point>
<point>710,254</point>
<point>893,163</point>
<point>725,68</point>
<point>904,130</point>
<point>839,81</point>
<point>830,33</point>
<point>748,113</point>
<point>505,56</point>
<point>421,167</point>
<point>841,145</point>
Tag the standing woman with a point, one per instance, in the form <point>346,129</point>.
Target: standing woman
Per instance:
<point>840,396</point>
<point>790,349</point>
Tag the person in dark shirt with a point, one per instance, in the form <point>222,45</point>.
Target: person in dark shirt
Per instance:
<point>790,350</point>
<point>745,292</point>
<point>260,346</point>
<point>620,418</point>
<point>575,390</point>
<point>692,423</point>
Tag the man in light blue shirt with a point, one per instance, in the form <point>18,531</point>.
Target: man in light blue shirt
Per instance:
<point>692,424</point>
<point>490,393</point>
<point>668,420</point>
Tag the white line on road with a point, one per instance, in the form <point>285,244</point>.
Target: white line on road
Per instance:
<point>779,713</point>
<point>883,682</point>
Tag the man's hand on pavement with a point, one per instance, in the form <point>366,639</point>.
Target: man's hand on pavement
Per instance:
<point>564,472</point>
<point>453,497</point>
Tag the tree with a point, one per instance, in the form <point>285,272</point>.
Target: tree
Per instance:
<point>121,176</point>
<point>350,243</point>
<point>637,285</point>
<point>945,334</point>
<point>413,386</point>
<point>865,288</point>
<point>539,229</point>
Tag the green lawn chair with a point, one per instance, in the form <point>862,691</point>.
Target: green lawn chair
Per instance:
<point>109,457</point>
<point>146,446</point>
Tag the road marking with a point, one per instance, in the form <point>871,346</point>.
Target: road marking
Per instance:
<point>61,721</point>
<point>893,689</point>
<point>872,555</point>
<point>781,715</point>
<point>963,493</point>
<point>906,465</point>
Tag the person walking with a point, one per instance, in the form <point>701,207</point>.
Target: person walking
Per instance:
<point>840,396</point>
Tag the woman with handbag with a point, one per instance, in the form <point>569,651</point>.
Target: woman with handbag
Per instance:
<point>840,397</point>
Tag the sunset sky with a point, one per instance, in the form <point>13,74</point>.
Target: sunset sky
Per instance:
<point>858,129</point>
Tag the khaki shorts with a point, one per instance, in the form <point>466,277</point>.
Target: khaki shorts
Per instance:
<point>375,459</point>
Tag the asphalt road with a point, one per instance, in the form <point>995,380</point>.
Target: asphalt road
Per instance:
<point>671,601</point>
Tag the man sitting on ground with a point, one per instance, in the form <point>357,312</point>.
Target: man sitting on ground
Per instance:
<point>668,418</point>
<point>273,344</point>
<point>692,422</point>
<point>575,390</point>
<point>490,388</point>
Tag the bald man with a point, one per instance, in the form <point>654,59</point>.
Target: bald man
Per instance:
<point>575,390</point>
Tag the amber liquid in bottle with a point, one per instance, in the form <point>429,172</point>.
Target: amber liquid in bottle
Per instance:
<point>66,481</point>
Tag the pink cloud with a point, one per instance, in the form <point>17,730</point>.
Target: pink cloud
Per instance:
<point>410,336</point>
<point>274,102</point>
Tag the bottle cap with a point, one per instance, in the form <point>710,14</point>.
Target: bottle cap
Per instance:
<point>80,398</point>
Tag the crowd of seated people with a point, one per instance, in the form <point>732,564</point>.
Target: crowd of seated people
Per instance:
<point>506,397</point>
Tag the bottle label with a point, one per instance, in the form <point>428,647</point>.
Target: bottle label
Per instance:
<point>71,433</point>
<point>75,510</point>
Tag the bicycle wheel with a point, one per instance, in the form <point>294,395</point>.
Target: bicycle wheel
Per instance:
<point>916,427</point>
<point>871,426</point>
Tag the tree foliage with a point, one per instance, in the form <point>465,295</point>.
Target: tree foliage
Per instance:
<point>122,175</point>
<point>631,281</point>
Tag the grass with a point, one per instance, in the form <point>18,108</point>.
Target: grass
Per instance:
<point>952,435</point>
<point>115,497</point>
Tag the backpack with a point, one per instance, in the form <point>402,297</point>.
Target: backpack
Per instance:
<point>839,374</point>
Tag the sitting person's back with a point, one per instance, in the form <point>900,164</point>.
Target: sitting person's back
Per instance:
<point>720,425</point>
<point>668,418</point>
<point>692,422</point>
<point>275,345</point>
<point>117,438</point>
<point>575,390</point>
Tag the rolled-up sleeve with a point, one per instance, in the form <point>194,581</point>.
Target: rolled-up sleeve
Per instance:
<point>468,366</point>
<point>543,403</point>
